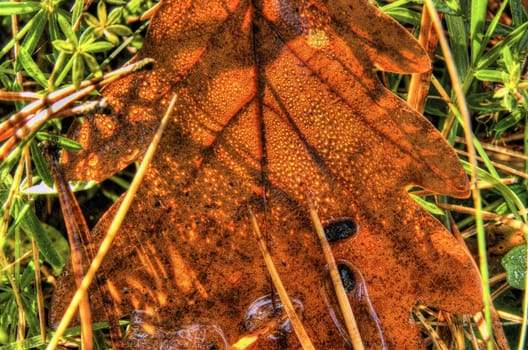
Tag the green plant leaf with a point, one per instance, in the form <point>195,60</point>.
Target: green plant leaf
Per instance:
<point>77,11</point>
<point>61,141</point>
<point>490,75</point>
<point>31,68</point>
<point>33,36</point>
<point>92,64</point>
<point>33,228</point>
<point>514,262</point>
<point>77,70</point>
<point>98,46</point>
<point>40,164</point>
<point>101,11</point>
<point>491,56</point>
<point>476,28</point>
<point>64,46</point>
<point>18,8</point>
<point>459,44</point>
<point>120,29</point>
<point>67,29</point>
<point>430,207</point>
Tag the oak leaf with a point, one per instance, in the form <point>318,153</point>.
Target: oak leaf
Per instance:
<point>276,99</point>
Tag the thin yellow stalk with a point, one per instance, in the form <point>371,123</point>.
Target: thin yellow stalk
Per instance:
<point>500,166</point>
<point>342,298</point>
<point>297,325</point>
<point>419,84</point>
<point>40,294</point>
<point>487,215</point>
<point>36,259</point>
<point>435,338</point>
<point>3,259</point>
<point>62,98</point>
<point>477,200</point>
<point>113,229</point>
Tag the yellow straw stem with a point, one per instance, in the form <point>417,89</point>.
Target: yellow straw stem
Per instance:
<point>297,325</point>
<point>112,230</point>
<point>342,298</point>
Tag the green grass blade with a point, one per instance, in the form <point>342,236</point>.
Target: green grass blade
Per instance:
<point>33,228</point>
<point>490,57</point>
<point>458,42</point>
<point>517,12</point>
<point>18,8</point>
<point>513,202</point>
<point>18,37</point>
<point>477,28</point>
<point>40,164</point>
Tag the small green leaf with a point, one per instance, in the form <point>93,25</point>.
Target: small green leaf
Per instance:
<point>430,207</point>
<point>33,36</point>
<point>514,262</point>
<point>114,39</point>
<point>31,68</point>
<point>77,70</point>
<point>98,46</point>
<point>64,46</point>
<point>87,37</point>
<point>101,11</point>
<point>18,8</point>
<point>91,20</point>
<point>120,29</point>
<point>490,75</point>
<point>41,164</point>
<point>77,11</point>
<point>33,227</point>
<point>66,28</point>
<point>92,64</point>
<point>62,142</point>
<point>115,15</point>
<point>477,28</point>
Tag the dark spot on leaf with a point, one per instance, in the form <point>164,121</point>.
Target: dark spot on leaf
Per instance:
<point>347,277</point>
<point>340,229</point>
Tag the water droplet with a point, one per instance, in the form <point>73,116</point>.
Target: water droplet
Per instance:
<point>267,317</point>
<point>93,159</point>
<point>145,332</point>
<point>196,337</point>
<point>317,39</point>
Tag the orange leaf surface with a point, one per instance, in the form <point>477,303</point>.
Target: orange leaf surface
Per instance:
<point>276,99</point>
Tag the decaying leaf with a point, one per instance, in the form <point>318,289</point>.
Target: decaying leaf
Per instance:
<point>277,99</point>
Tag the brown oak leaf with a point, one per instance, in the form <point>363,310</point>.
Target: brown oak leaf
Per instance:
<point>277,99</point>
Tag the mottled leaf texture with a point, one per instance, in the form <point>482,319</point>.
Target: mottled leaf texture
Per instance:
<point>277,99</point>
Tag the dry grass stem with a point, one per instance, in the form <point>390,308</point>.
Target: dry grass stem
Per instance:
<point>342,298</point>
<point>297,325</point>
<point>113,229</point>
<point>499,166</point>
<point>433,335</point>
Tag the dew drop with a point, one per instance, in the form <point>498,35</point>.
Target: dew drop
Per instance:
<point>269,318</point>
<point>196,337</point>
<point>93,159</point>
<point>146,333</point>
<point>317,39</point>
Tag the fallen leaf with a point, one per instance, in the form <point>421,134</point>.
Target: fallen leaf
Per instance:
<point>277,99</point>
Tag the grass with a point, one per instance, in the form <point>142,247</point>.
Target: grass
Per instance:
<point>478,100</point>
